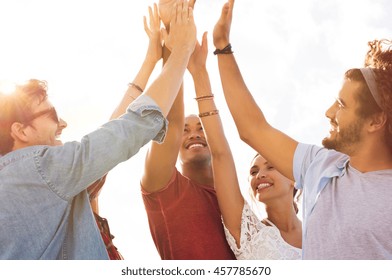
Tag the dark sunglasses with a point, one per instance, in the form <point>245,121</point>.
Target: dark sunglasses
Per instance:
<point>51,112</point>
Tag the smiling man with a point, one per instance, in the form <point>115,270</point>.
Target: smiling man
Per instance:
<point>347,183</point>
<point>182,208</point>
<point>45,210</point>
<point>36,120</point>
<point>44,206</point>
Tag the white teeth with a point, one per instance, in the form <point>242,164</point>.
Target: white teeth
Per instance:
<point>334,128</point>
<point>195,146</point>
<point>263,186</point>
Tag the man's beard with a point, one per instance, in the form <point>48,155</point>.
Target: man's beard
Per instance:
<point>345,139</point>
<point>201,159</point>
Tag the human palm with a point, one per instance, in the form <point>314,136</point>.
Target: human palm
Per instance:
<point>165,10</point>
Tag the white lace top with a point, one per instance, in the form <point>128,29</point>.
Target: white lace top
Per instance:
<point>260,242</point>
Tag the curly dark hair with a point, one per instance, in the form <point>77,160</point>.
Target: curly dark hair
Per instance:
<point>380,57</point>
<point>16,107</point>
<point>380,54</point>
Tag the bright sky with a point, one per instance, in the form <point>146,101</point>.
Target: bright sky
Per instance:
<point>292,55</point>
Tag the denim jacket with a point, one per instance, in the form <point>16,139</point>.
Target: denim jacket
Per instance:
<point>45,211</point>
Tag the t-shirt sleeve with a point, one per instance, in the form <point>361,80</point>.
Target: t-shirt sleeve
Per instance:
<point>168,196</point>
<point>311,163</point>
<point>170,183</point>
<point>300,164</point>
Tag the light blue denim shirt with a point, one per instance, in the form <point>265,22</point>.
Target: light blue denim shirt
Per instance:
<point>45,211</point>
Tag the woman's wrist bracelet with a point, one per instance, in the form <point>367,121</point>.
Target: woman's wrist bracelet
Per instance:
<point>204,97</point>
<point>225,50</point>
<point>210,113</point>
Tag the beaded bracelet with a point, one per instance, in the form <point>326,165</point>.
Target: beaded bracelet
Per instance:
<point>225,50</point>
<point>135,86</point>
<point>204,97</point>
<point>210,113</point>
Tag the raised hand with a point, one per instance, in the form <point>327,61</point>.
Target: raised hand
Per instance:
<point>153,30</point>
<point>221,34</point>
<point>182,28</point>
<point>198,59</point>
<point>165,10</point>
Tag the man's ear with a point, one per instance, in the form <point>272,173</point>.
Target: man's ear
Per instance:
<point>377,121</point>
<point>18,132</point>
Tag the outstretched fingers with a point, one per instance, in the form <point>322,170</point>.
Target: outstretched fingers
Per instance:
<point>183,12</point>
<point>156,17</point>
<point>227,10</point>
<point>190,14</point>
<point>192,3</point>
<point>221,31</point>
<point>154,23</point>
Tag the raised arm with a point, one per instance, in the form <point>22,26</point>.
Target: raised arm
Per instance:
<point>153,55</point>
<point>161,158</point>
<point>182,39</point>
<point>231,201</point>
<point>252,126</point>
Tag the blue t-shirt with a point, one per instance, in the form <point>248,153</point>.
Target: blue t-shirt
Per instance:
<point>346,213</point>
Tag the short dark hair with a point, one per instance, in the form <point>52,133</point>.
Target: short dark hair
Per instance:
<point>16,107</point>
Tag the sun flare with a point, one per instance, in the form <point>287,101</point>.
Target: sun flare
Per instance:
<point>7,87</point>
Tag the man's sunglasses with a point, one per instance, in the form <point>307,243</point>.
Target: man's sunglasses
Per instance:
<point>51,112</point>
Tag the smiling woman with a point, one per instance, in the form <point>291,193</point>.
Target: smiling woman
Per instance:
<point>91,50</point>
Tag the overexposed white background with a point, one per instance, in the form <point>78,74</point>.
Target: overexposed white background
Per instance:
<point>292,54</point>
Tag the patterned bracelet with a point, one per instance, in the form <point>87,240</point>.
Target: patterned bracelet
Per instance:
<point>210,113</point>
<point>204,97</point>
